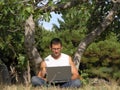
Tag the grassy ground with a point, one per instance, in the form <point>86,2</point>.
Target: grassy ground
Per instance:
<point>86,87</point>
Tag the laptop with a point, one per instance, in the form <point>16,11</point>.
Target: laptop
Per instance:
<point>58,74</point>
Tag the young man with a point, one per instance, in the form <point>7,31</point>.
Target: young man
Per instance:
<point>56,58</point>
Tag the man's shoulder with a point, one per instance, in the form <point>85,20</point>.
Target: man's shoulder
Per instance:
<point>63,54</point>
<point>47,58</point>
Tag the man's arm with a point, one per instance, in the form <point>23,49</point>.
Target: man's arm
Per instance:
<point>42,72</point>
<point>75,74</point>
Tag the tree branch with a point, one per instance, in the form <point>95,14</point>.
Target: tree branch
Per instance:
<point>97,32</point>
<point>116,1</point>
<point>63,6</point>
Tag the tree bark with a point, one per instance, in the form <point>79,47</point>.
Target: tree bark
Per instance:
<point>95,33</point>
<point>31,50</point>
<point>63,6</point>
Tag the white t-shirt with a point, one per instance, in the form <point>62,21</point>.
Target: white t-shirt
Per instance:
<point>63,60</point>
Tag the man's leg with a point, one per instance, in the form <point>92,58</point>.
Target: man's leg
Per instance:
<point>72,83</point>
<point>36,81</point>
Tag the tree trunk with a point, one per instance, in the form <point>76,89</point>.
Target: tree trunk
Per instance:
<point>94,34</point>
<point>31,50</point>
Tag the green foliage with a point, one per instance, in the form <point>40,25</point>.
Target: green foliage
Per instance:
<point>12,18</point>
<point>75,18</point>
<point>116,75</point>
<point>84,77</point>
<point>102,58</point>
<point>21,61</point>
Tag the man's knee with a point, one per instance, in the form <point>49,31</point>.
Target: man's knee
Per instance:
<point>36,81</point>
<point>77,83</point>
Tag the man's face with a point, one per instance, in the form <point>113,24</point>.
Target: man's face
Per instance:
<point>56,50</point>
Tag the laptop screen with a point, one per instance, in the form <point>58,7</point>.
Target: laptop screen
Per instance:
<point>58,74</point>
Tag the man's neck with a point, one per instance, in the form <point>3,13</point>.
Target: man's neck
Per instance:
<point>56,57</point>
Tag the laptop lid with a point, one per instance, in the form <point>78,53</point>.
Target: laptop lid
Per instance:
<point>58,74</point>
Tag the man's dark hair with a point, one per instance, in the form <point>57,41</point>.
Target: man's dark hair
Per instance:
<point>55,41</point>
